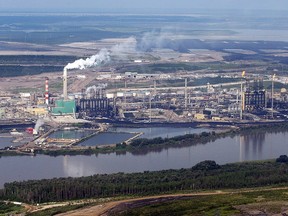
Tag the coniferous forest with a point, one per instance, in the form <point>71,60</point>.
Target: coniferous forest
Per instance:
<point>203,176</point>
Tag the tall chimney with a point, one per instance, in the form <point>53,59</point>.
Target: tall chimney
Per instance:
<point>47,91</point>
<point>65,95</point>
<point>186,93</point>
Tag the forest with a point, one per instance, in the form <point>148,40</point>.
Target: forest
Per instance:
<point>206,175</point>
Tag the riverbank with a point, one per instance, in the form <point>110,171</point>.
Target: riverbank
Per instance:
<point>206,175</point>
<point>143,144</point>
<point>195,124</point>
<point>146,145</point>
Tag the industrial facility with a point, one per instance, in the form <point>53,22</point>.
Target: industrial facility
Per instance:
<point>255,95</point>
<point>149,99</point>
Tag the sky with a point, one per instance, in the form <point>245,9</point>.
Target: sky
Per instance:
<point>145,5</point>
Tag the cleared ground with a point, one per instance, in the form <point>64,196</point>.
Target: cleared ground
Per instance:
<point>270,201</point>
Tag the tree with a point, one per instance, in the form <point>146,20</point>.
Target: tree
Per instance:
<point>282,159</point>
<point>206,165</point>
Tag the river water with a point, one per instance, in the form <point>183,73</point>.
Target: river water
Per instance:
<point>255,146</point>
<point>164,132</point>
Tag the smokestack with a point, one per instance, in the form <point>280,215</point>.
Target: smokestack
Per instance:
<point>47,91</point>
<point>65,95</point>
<point>95,60</point>
<point>186,93</point>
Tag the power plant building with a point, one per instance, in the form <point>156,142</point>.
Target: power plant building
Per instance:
<point>93,107</point>
<point>64,107</point>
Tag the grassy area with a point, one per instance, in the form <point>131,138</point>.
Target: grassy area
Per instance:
<point>235,202</point>
<point>10,209</point>
<point>224,204</point>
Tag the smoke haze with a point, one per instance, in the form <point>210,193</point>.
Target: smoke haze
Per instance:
<point>131,45</point>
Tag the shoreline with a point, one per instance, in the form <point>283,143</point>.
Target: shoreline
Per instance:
<point>147,145</point>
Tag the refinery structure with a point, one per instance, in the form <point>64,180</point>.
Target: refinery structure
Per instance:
<point>244,100</point>
<point>93,94</point>
<point>94,90</point>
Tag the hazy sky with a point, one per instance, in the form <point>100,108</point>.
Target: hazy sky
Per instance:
<point>114,5</point>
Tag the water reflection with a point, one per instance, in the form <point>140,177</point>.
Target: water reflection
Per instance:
<point>244,147</point>
<point>76,168</point>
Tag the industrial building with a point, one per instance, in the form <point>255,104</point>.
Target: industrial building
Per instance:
<point>95,107</point>
<point>64,107</point>
<point>255,95</point>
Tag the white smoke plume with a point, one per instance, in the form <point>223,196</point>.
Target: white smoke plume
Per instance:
<point>104,56</point>
<point>101,57</point>
<point>123,50</point>
<point>38,124</point>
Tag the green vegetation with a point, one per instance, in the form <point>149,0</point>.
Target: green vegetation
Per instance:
<point>204,176</point>
<point>19,70</point>
<point>222,204</point>
<point>20,65</point>
<point>9,208</point>
<point>36,59</point>
<point>200,205</point>
<point>144,145</point>
<point>6,153</point>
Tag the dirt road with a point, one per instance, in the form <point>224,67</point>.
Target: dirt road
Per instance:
<point>105,208</point>
<point>116,206</point>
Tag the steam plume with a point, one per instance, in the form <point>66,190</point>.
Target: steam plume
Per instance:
<point>38,124</point>
<point>101,57</point>
<point>95,88</point>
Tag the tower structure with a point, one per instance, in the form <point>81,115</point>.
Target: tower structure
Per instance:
<point>255,96</point>
<point>65,94</point>
<point>47,91</point>
<point>186,93</point>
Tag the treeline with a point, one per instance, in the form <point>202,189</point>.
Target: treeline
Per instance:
<point>178,140</point>
<point>21,65</point>
<point>19,70</point>
<point>36,59</point>
<point>203,176</point>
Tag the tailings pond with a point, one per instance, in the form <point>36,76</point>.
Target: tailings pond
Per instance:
<point>255,146</point>
<point>121,134</point>
<point>8,140</point>
<point>164,132</point>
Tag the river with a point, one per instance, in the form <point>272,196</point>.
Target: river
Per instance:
<point>255,146</point>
